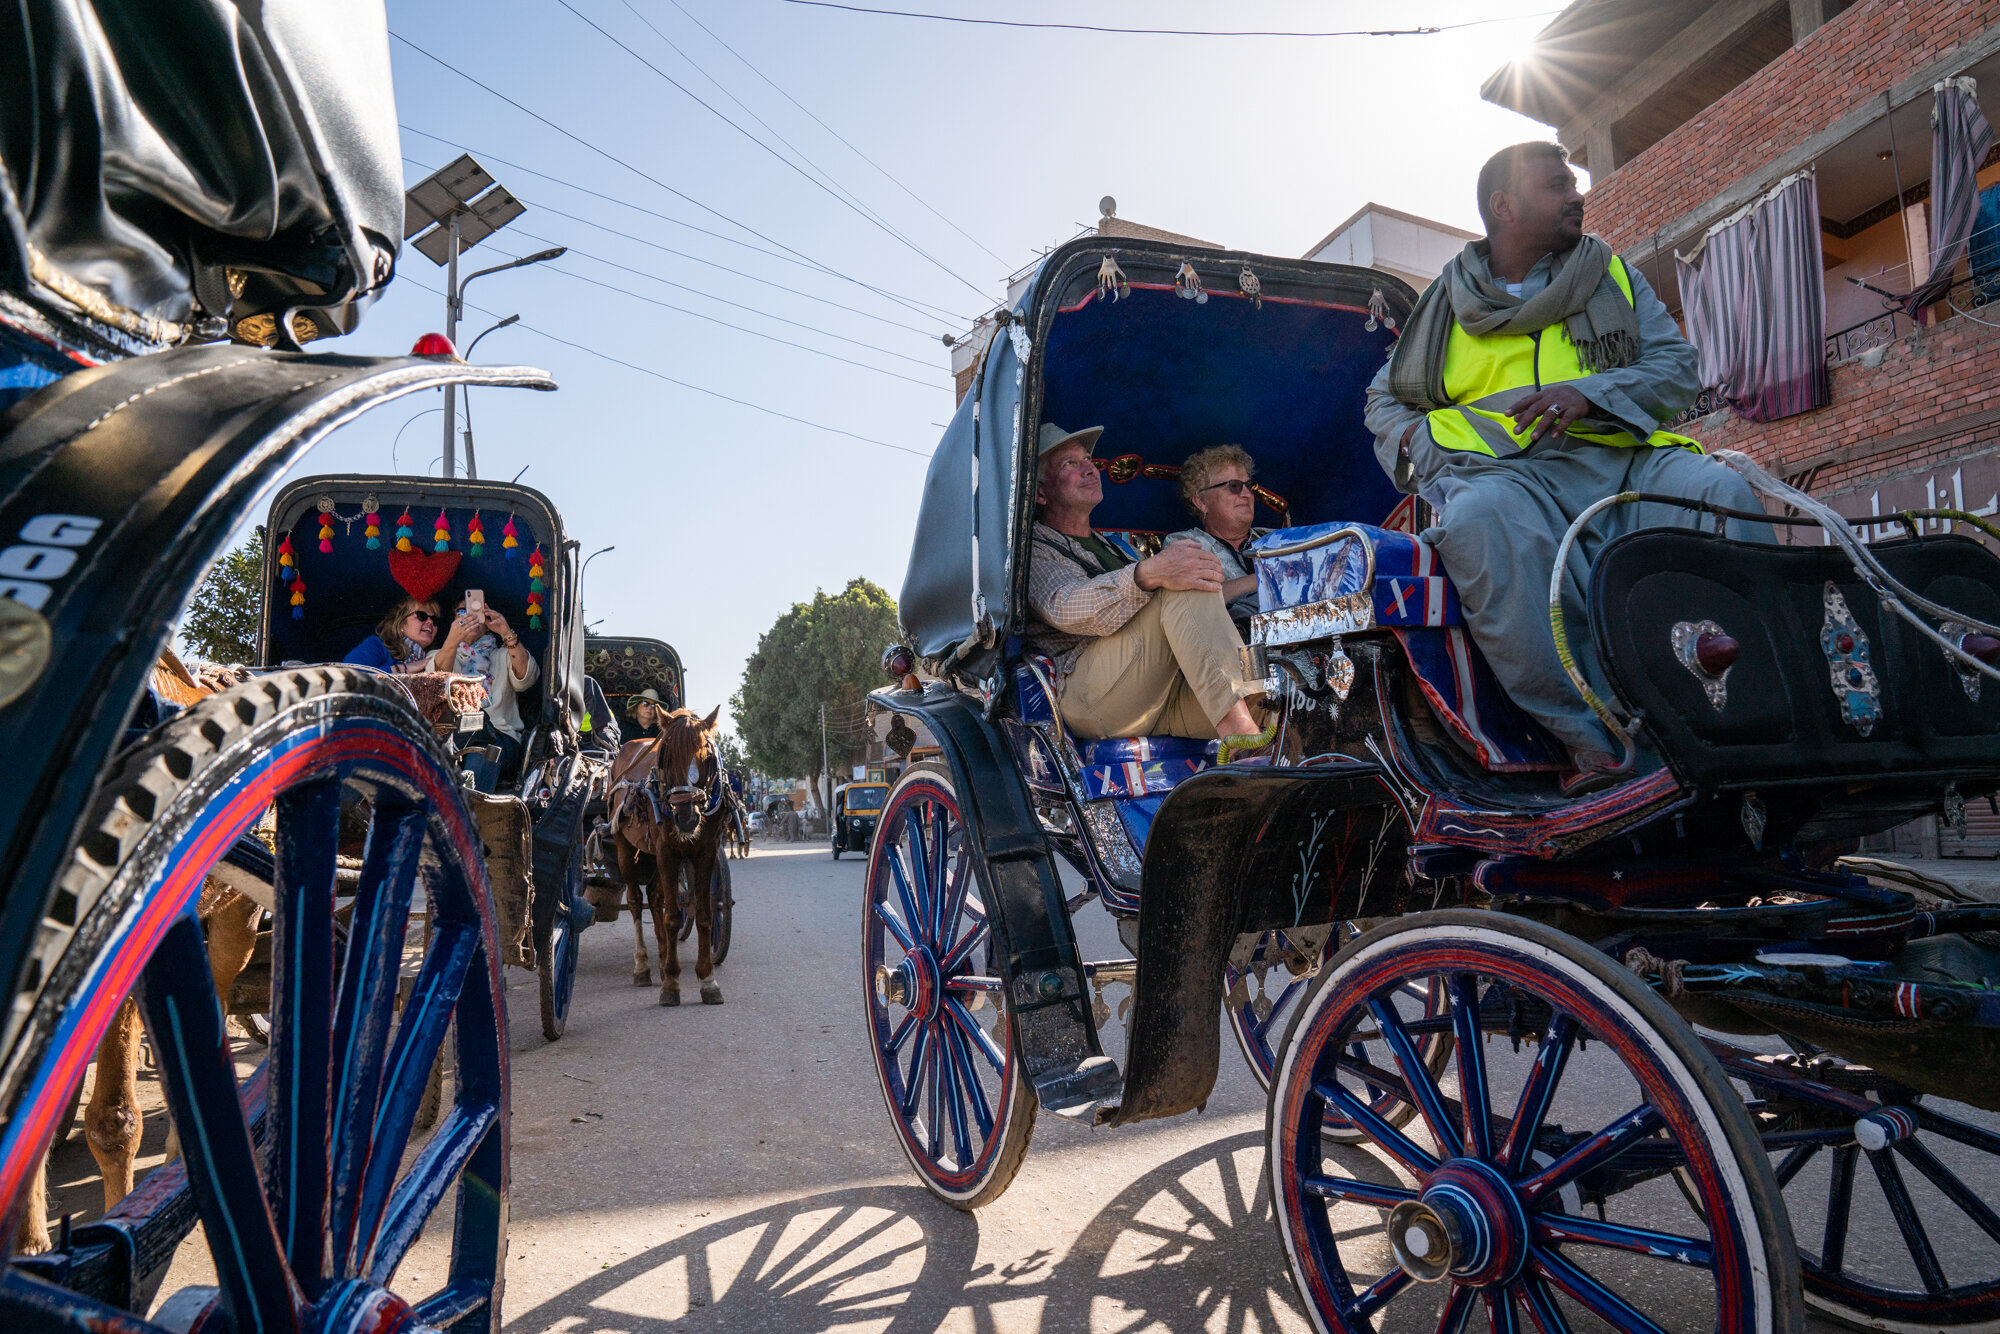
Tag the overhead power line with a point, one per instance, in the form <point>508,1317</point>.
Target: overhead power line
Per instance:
<point>886,173</point>
<point>1427,31</point>
<point>645,175</point>
<point>910,303</point>
<point>818,184</point>
<point>679,383</point>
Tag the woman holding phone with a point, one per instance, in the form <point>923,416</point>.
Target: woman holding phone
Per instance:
<point>478,643</point>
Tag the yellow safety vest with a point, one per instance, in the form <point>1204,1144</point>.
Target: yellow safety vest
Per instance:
<point>1480,369</point>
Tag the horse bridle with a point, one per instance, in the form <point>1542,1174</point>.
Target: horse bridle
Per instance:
<point>704,785</point>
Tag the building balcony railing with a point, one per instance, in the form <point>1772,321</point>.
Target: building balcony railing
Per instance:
<point>1855,340</point>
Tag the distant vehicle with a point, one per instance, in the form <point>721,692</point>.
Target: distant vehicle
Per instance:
<point>856,808</point>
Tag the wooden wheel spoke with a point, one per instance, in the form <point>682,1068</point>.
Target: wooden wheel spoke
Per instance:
<point>901,1035</point>
<point>1457,1307</point>
<point>1561,1229</point>
<point>952,1094</point>
<point>962,951</point>
<point>1537,1091</point>
<point>934,1095</point>
<point>913,1087</point>
<point>367,1004</point>
<point>1904,1210</point>
<point>1355,1191</point>
<point>1501,1317</point>
<point>308,831</point>
<point>968,1076</point>
<point>956,879</point>
<point>1839,1203</point>
<point>1395,1142</point>
<point>976,1035</point>
<point>1951,1187</point>
<point>888,918</point>
<point>923,888</point>
<point>1609,1306</point>
<point>1378,1294</point>
<point>1463,992</point>
<point>191,1046</point>
<point>429,1177</point>
<point>1794,1162</point>
<point>1424,1089</point>
<point>914,914</point>
<point>419,1037</point>
<point>1541,1304</point>
<point>1593,1152</point>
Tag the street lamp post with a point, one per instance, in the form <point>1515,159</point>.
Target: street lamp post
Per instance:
<point>454,306</point>
<point>471,457</point>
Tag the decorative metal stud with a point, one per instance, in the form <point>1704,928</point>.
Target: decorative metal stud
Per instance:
<point>1708,653</point>
<point>1983,647</point>
<point>1754,819</point>
<point>1247,283</point>
<point>1848,667</point>
<point>1951,807</point>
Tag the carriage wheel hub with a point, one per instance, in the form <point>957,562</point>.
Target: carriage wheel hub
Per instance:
<point>1467,1225</point>
<point>912,984</point>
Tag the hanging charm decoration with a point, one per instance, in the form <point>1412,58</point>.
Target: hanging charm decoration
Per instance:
<point>1248,283</point>
<point>441,534</point>
<point>404,530</point>
<point>326,517</point>
<point>1378,312</point>
<point>475,536</point>
<point>1853,675</point>
<point>535,587</point>
<point>1188,284</point>
<point>1111,280</point>
<point>509,539</point>
<point>373,532</point>
<point>1754,818</point>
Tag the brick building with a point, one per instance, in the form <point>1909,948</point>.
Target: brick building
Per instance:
<point>1686,111</point>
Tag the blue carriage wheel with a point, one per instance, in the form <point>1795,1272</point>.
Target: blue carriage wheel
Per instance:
<point>1260,998</point>
<point>721,905</point>
<point>1896,1215</point>
<point>555,965</point>
<point>957,1096</point>
<point>296,1174</point>
<point>1535,1186</point>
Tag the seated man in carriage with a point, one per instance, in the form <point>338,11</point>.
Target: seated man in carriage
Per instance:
<point>1141,647</point>
<point>1530,382</point>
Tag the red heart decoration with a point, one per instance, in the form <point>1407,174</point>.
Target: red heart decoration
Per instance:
<point>423,573</point>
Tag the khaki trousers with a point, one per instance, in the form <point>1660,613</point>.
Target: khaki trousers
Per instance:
<point>1169,671</point>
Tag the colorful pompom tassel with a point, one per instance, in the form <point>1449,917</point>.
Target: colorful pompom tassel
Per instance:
<point>326,534</point>
<point>374,530</point>
<point>404,531</point>
<point>535,587</point>
<point>442,534</point>
<point>475,536</point>
<point>298,599</point>
<point>286,572</point>
<point>509,540</point>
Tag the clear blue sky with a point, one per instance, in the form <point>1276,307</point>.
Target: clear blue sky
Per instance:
<point>723,516</point>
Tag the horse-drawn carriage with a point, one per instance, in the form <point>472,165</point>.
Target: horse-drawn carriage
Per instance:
<point>150,330</point>
<point>623,667</point>
<point>328,581</point>
<point>1598,1060</point>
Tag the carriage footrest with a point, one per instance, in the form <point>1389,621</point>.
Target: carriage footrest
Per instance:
<point>1089,1081</point>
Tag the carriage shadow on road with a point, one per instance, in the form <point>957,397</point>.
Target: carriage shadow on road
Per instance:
<point>1189,1246</point>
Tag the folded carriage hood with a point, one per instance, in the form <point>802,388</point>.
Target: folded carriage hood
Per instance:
<point>1172,348</point>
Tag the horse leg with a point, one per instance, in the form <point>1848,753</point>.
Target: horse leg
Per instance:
<point>667,925</point>
<point>704,921</point>
<point>635,899</point>
<point>231,919</point>
<point>112,1123</point>
<point>32,1237</point>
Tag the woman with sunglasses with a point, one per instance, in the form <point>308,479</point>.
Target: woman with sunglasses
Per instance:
<point>1215,486</point>
<point>402,641</point>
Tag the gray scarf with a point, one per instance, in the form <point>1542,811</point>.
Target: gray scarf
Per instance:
<point>1581,294</point>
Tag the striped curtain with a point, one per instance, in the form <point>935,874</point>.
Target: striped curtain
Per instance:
<point>1960,141</point>
<point>1754,299</point>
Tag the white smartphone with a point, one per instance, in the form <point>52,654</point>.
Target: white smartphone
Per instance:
<point>475,601</point>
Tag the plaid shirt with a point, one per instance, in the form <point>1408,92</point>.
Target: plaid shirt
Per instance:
<point>1073,598</point>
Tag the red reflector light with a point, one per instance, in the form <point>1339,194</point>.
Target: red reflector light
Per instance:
<point>434,345</point>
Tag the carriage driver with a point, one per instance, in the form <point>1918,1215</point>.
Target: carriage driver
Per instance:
<point>1530,382</point>
<point>1141,647</point>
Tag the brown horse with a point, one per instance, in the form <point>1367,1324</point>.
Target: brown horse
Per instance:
<point>668,804</point>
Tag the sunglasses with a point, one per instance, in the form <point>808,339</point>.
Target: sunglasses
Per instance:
<point>1234,488</point>
<point>424,616</point>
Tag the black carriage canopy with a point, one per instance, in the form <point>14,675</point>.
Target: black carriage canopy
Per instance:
<point>625,666</point>
<point>327,581</point>
<point>1172,350</point>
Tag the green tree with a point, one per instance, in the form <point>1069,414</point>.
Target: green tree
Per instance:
<point>729,752</point>
<point>221,620</point>
<point>827,652</point>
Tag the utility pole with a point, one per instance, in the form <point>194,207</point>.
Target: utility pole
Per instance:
<point>451,304</point>
<point>826,803</point>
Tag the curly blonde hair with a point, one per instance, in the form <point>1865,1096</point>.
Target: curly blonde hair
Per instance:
<point>1200,467</point>
<point>390,627</point>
